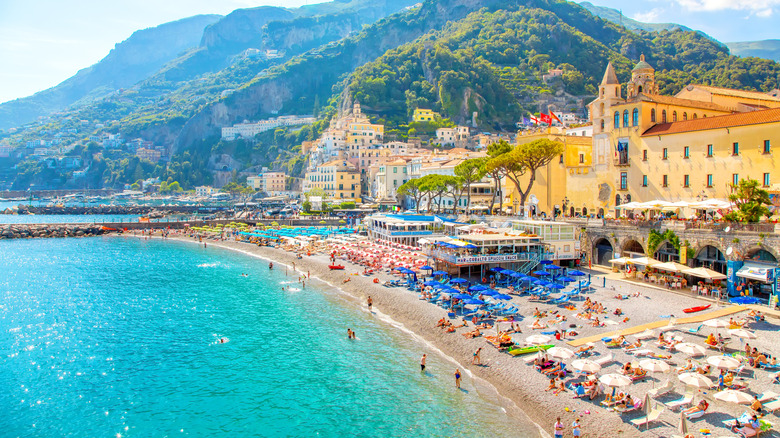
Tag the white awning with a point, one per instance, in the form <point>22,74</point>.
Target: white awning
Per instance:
<point>754,272</point>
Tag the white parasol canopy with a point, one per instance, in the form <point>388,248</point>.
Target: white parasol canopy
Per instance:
<point>670,267</point>
<point>696,380</point>
<point>704,273</point>
<point>743,334</point>
<point>646,261</point>
<point>717,323</point>
<point>586,366</point>
<point>724,362</point>
<point>690,349</point>
<point>654,365</point>
<point>614,380</point>
<point>560,352</point>
<point>732,396</point>
<point>537,339</point>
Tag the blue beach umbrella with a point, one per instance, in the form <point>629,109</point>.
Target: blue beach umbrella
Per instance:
<point>503,297</point>
<point>477,287</point>
<point>556,286</point>
<point>426,268</point>
<point>541,273</point>
<point>495,269</point>
<point>554,267</point>
<point>576,273</point>
<point>489,292</point>
<point>473,301</point>
<point>458,281</point>
<point>545,262</point>
<point>438,273</point>
<point>431,283</point>
<point>516,275</point>
<point>461,296</point>
<point>566,280</point>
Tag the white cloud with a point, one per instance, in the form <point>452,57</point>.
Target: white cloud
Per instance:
<point>649,16</point>
<point>762,8</point>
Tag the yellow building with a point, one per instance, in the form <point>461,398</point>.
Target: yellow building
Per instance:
<point>424,115</point>
<point>339,179</point>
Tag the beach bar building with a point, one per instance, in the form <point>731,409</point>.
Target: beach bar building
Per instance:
<point>560,239</point>
<point>404,229</point>
<point>475,253</point>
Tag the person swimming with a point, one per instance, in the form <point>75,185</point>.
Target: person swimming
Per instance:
<point>271,265</point>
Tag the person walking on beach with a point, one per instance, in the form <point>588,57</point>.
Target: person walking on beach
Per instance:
<point>476,359</point>
<point>370,303</point>
<point>457,378</point>
<point>558,428</point>
<point>422,362</point>
<point>575,428</point>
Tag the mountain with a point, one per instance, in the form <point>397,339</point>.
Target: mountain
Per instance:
<point>145,52</point>
<point>455,56</point>
<point>768,49</point>
<point>617,17</point>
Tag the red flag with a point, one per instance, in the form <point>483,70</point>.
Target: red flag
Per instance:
<point>545,118</point>
<point>552,114</point>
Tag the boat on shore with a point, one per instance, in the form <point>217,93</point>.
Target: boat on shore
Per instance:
<point>336,267</point>
<point>697,308</point>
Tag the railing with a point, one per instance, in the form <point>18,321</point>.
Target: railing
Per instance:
<point>401,233</point>
<point>732,226</point>
<point>532,258</point>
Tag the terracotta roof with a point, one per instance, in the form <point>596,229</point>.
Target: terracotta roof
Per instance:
<point>734,93</point>
<point>719,122</point>
<point>669,100</point>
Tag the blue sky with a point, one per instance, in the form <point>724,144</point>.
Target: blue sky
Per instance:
<point>44,42</point>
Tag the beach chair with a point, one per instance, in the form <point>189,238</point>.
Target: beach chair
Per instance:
<point>663,389</point>
<point>652,416</point>
<point>604,360</point>
<point>696,415</point>
<point>685,400</point>
<point>772,405</point>
<point>696,330</point>
<point>767,396</point>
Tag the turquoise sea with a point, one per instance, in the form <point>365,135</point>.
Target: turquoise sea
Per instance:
<point>119,337</point>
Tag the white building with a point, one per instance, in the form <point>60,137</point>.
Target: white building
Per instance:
<point>205,191</point>
<point>249,130</point>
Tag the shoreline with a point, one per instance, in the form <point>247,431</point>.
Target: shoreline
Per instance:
<point>395,316</point>
<point>520,389</point>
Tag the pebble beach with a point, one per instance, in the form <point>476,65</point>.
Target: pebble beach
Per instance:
<point>523,386</point>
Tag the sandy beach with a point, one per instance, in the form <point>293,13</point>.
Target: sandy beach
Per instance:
<point>520,382</point>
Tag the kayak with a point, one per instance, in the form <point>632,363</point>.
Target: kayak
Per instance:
<point>332,267</point>
<point>531,349</point>
<point>697,308</point>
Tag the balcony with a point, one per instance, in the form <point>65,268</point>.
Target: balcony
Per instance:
<point>479,259</point>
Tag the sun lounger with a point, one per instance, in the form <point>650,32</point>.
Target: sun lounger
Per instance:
<point>643,352</point>
<point>695,415</point>
<point>696,330</point>
<point>772,405</point>
<point>663,389</point>
<point>604,360</point>
<point>652,416</point>
<point>686,399</point>
<point>769,366</point>
<point>636,406</point>
<point>767,396</point>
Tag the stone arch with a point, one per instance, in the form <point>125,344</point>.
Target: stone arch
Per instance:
<point>632,248</point>
<point>710,255</point>
<point>602,250</point>
<point>666,252</point>
<point>761,253</point>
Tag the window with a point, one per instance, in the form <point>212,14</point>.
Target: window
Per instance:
<point>666,154</point>
<point>560,159</point>
<point>735,179</point>
<point>767,147</point>
<point>674,116</point>
<point>709,180</point>
<point>695,116</point>
<point>644,180</point>
<point>582,158</point>
<point>686,152</point>
<point>663,116</point>
<point>686,180</point>
<point>735,148</point>
<point>623,180</point>
<point>685,116</point>
<point>602,125</point>
<point>395,170</point>
<point>617,119</point>
<point>625,118</point>
<point>665,181</point>
<point>635,117</point>
<point>652,115</point>
<point>766,180</point>
<point>644,155</point>
<point>709,150</point>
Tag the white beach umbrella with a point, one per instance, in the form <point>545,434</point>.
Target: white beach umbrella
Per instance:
<point>724,362</point>
<point>683,427</point>
<point>717,323</point>
<point>696,380</point>
<point>732,396</point>
<point>654,365</point>
<point>586,366</point>
<point>537,339</point>
<point>704,273</point>
<point>560,352</point>
<point>615,380</point>
<point>742,334</point>
<point>690,349</point>
<point>670,267</point>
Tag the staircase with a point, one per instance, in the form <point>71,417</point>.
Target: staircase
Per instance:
<point>532,261</point>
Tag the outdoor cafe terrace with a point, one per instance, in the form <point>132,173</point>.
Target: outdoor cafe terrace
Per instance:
<point>487,248</point>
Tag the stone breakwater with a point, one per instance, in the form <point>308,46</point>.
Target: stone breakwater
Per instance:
<point>103,210</point>
<point>30,231</point>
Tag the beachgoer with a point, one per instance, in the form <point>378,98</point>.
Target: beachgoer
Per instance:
<point>370,303</point>
<point>558,428</point>
<point>422,362</point>
<point>457,378</point>
<point>270,265</point>
<point>575,428</point>
<point>476,359</point>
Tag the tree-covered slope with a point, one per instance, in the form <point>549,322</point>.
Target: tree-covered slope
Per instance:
<point>493,61</point>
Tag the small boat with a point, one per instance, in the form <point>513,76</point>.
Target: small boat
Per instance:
<point>530,349</point>
<point>335,267</point>
<point>697,308</point>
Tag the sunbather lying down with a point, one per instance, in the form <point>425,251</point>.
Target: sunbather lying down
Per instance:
<point>701,407</point>
<point>474,334</point>
<point>538,324</point>
<point>584,348</point>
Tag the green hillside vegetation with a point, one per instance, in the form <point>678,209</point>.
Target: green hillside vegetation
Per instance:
<point>492,62</point>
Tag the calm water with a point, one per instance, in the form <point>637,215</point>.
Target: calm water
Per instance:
<point>65,218</point>
<point>111,336</point>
